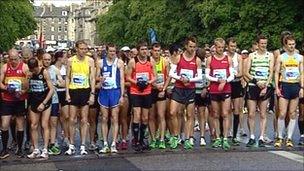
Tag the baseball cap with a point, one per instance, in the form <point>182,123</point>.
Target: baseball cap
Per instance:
<point>244,51</point>
<point>125,48</point>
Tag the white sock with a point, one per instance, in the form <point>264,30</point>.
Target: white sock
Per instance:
<point>261,137</point>
<point>113,143</point>
<point>281,127</point>
<point>252,136</point>
<point>290,129</point>
<point>105,143</point>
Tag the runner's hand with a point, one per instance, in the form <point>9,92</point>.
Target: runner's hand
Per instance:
<point>204,93</point>
<point>221,86</point>
<point>40,107</point>
<point>263,92</point>
<point>301,93</point>
<point>68,98</point>
<point>121,101</point>
<point>91,100</point>
<point>161,94</point>
<point>278,92</point>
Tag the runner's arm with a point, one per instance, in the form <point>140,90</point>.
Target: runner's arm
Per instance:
<point>92,75</point>
<point>122,77</point>
<point>50,86</point>
<point>2,85</point>
<point>68,77</point>
<point>25,83</point>
<point>231,75</point>
<point>199,72</point>
<point>271,70</point>
<point>153,78</point>
<point>277,72</point>
<point>60,81</point>
<point>207,72</point>
<point>130,68</point>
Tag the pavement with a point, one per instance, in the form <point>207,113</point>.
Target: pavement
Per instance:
<point>200,158</point>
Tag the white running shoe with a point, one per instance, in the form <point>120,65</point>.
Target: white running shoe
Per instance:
<point>83,150</point>
<point>191,140</point>
<point>44,154</point>
<point>35,154</point>
<point>92,147</point>
<point>202,142</point>
<point>113,148</point>
<point>71,150</point>
<point>105,149</point>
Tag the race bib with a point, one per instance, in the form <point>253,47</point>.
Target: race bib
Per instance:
<point>37,86</point>
<point>160,79</point>
<point>261,73</point>
<point>14,84</point>
<point>220,74</point>
<point>142,76</point>
<point>79,80</point>
<point>292,73</point>
<point>186,73</point>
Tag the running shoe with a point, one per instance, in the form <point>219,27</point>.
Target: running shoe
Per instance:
<point>217,143</point>
<point>35,154</point>
<point>71,150</point>
<point>251,143</point>
<point>278,143</point>
<point>226,145</point>
<point>289,143</point>
<point>188,145</point>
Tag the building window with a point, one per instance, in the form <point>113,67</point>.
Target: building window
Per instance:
<point>59,38</point>
<point>59,20</point>
<point>52,28</point>
<point>52,37</point>
<point>64,13</point>
<point>65,37</point>
<point>59,28</point>
<point>65,28</point>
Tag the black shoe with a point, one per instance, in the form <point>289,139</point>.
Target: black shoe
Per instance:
<point>19,153</point>
<point>144,146</point>
<point>137,147</point>
<point>261,143</point>
<point>251,143</point>
<point>4,154</point>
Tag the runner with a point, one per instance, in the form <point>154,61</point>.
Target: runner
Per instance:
<point>111,71</point>
<point>141,74</point>
<point>41,91</point>
<point>158,109</point>
<point>186,70</point>
<point>236,86</point>
<point>259,70</point>
<point>80,92</point>
<point>289,80</point>
<point>14,87</point>
<point>219,71</point>
<point>57,82</point>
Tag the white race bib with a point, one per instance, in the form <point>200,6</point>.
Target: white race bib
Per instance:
<point>79,79</point>
<point>37,86</point>
<point>160,79</point>
<point>14,84</point>
<point>261,73</point>
<point>292,73</point>
<point>220,73</point>
<point>186,73</point>
<point>142,75</point>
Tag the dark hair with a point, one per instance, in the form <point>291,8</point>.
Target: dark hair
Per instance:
<point>283,36</point>
<point>32,63</point>
<point>173,48</point>
<point>58,54</point>
<point>156,45</point>
<point>190,39</point>
<point>259,37</point>
<point>40,53</point>
<point>289,37</point>
<point>79,42</point>
<point>110,45</point>
<point>230,39</point>
<point>201,53</point>
<point>141,43</point>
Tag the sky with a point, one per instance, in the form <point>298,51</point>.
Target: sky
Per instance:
<point>58,2</point>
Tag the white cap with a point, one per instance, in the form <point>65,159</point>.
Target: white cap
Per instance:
<point>125,48</point>
<point>244,51</point>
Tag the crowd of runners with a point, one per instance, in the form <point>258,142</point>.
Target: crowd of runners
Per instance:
<point>161,94</point>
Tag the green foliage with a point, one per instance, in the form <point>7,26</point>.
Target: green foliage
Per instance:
<point>16,20</point>
<point>128,20</point>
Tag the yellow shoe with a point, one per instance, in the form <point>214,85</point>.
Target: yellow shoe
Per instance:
<point>278,143</point>
<point>289,143</point>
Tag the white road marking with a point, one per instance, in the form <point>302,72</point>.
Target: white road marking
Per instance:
<point>289,155</point>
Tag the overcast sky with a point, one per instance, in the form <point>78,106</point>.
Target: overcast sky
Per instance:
<point>58,2</point>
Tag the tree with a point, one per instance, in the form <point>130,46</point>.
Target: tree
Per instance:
<point>16,20</point>
<point>128,20</point>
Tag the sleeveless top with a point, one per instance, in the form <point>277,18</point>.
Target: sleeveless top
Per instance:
<point>80,73</point>
<point>202,84</point>
<point>111,74</point>
<point>186,69</point>
<point>290,71</point>
<point>161,73</point>
<point>63,75</point>
<point>219,69</point>
<point>142,71</point>
<point>38,85</point>
<point>260,65</point>
<point>13,78</point>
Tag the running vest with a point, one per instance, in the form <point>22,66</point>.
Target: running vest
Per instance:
<point>202,84</point>
<point>14,77</point>
<point>219,69</point>
<point>235,64</point>
<point>38,85</point>
<point>142,71</point>
<point>54,79</point>
<point>290,71</point>
<point>186,69</point>
<point>161,74</point>
<point>80,73</point>
<point>63,75</point>
<point>260,67</point>
<point>111,74</point>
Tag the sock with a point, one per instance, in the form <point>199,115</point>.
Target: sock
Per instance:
<point>301,126</point>
<point>291,127</point>
<point>142,132</point>
<point>261,137</point>
<point>28,134</point>
<point>105,143</point>
<point>19,137</point>
<point>252,136</point>
<point>13,130</point>
<point>281,126</point>
<point>135,129</point>
<point>236,120</point>
<point>4,139</point>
